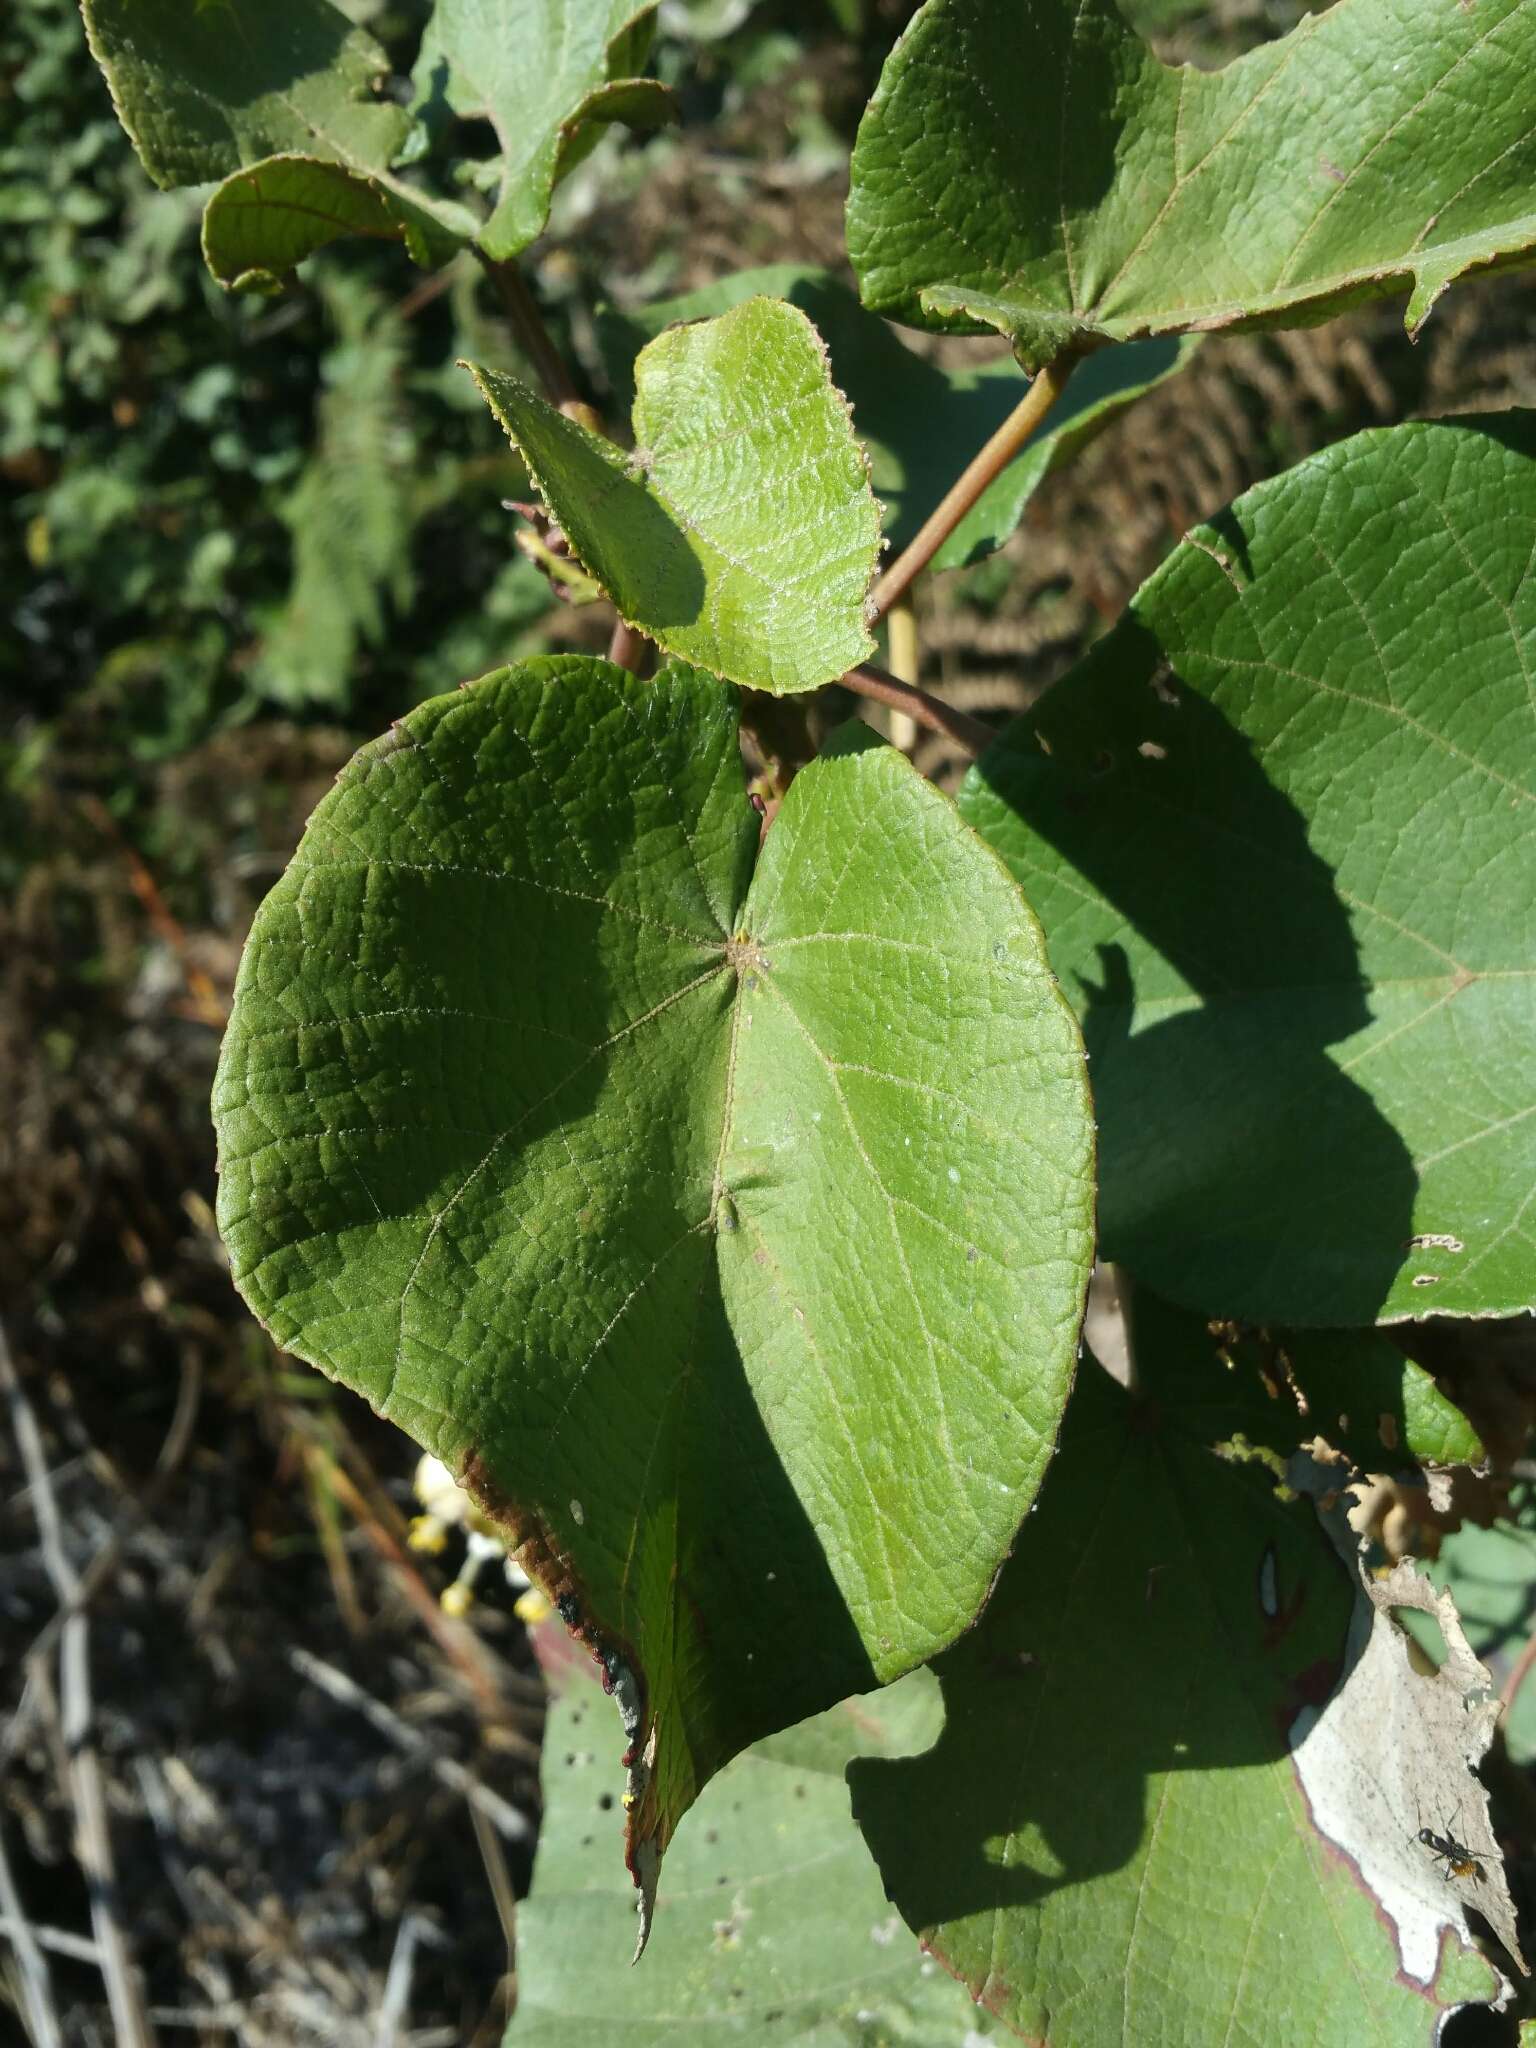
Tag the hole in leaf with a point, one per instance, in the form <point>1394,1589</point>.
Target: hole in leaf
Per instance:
<point>1423,1632</point>
<point>1477,2026</point>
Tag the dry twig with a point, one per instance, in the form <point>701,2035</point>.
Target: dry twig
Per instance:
<point>36,1982</point>
<point>82,1766</point>
<point>514,1825</point>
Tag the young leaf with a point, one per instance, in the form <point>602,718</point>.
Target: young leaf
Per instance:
<point>1278,827</point>
<point>727,1230</point>
<point>277,98</point>
<point>1031,166</point>
<point>547,74</point>
<point>918,421</point>
<point>1124,1729</point>
<point>773,1926</point>
<point>741,533</point>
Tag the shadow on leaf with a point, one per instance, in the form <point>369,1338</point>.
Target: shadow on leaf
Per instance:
<point>1237,1154</point>
<point>1126,1697</point>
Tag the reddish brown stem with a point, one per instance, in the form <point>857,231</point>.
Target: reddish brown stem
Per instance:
<point>868,681</point>
<point>627,648</point>
<point>989,462</point>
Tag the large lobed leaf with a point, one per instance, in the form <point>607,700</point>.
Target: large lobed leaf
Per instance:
<point>1031,166</point>
<point>1278,827</point>
<point>740,533</point>
<point>547,75</point>
<point>726,1227</point>
<point>1114,1843</point>
<point>918,421</point>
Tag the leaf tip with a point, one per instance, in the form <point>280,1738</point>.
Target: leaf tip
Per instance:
<point>647,1868</point>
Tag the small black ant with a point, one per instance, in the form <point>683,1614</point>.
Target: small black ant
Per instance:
<point>1459,1860</point>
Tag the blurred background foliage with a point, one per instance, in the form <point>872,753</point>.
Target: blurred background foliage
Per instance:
<point>225,504</point>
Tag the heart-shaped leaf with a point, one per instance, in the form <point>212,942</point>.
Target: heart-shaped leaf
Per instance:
<point>919,421</point>
<point>741,533</point>
<point>726,1228</point>
<point>1133,1720</point>
<point>1279,828</point>
<point>1031,166</point>
<point>547,75</point>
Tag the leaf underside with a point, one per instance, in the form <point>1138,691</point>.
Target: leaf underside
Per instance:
<point>262,222</point>
<point>1278,827</point>
<point>741,533</point>
<point>774,1925</point>
<point>727,1228</point>
<point>544,73</point>
<point>204,91</point>
<point>1031,166</point>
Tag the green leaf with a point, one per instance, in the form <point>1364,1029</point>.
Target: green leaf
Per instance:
<point>205,89</point>
<point>351,515</point>
<point>545,74</point>
<point>1031,166</point>
<point>920,423</point>
<point>1353,1388</point>
<point>741,533</point>
<point>774,1927</point>
<point>1125,1728</point>
<point>264,221</point>
<point>726,1228</point>
<point>1374,1404</point>
<point>279,101</point>
<point>1278,827</point>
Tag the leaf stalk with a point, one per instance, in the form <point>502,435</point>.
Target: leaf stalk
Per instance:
<point>628,649</point>
<point>988,463</point>
<point>869,681</point>
<point>534,339</point>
